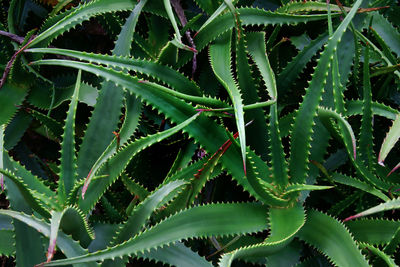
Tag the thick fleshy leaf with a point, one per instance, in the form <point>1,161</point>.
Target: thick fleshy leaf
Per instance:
<point>104,120</point>
<point>220,58</point>
<point>113,168</point>
<point>66,244</point>
<point>331,238</point>
<point>390,140</point>
<point>68,158</point>
<point>373,231</point>
<point>285,223</point>
<point>77,16</point>
<point>389,205</point>
<point>201,221</point>
<point>142,212</point>
<point>303,124</point>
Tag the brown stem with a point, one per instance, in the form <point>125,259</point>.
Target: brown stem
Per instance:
<point>181,15</point>
<point>13,37</point>
<point>361,10</point>
<point>10,63</point>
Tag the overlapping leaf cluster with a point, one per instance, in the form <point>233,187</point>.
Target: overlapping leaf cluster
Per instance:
<point>283,136</point>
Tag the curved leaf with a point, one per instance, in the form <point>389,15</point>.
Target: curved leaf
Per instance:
<point>118,162</point>
<point>331,238</point>
<point>390,140</point>
<point>179,111</point>
<point>302,128</point>
<point>77,16</point>
<point>155,70</point>
<point>201,221</point>
<point>176,254</point>
<point>387,259</point>
<point>108,106</point>
<point>68,246</point>
<point>285,223</point>
<point>373,231</point>
<point>388,205</point>
<point>142,212</point>
<point>220,58</point>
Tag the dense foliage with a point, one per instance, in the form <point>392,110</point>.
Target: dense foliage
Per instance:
<point>199,133</point>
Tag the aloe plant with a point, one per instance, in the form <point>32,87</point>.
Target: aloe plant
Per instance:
<point>243,161</point>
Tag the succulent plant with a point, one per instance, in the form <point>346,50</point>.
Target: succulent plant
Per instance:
<point>148,156</point>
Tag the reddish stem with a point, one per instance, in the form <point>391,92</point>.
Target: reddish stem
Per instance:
<point>10,63</point>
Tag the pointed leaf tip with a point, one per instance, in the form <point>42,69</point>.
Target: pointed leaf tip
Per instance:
<point>86,184</point>
<point>394,169</point>
<point>352,217</point>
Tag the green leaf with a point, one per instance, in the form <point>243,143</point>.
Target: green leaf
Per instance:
<point>171,17</point>
<point>97,144</point>
<point>52,125</point>
<point>133,187</point>
<point>176,255</point>
<point>142,212</point>
<point>223,23</point>
<point>200,221</point>
<point>387,31</point>
<point>2,152</point>
<point>11,96</point>
<point>197,174</point>
<point>302,129</point>
<point>78,15</point>
<point>155,70</point>
<point>40,95</point>
<point>54,226</point>
<point>354,107</point>
<point>385,70</point>
<point>69,247</point>
<point>257,132</point>
<point>292,70</point>
<point>390,140</point>
<point>285,223</point>
<point>31,248</point>
<point>366,143</point>
<point>347,132</point>
<point>347,180</point>
<point>304,187</point>
<point>7,244</point>
<point>113,168</point>
<point>394,243</point>
<point>220,58</point>
<point>218,11</point>
<point>179,111</point>
<point>331,238</point>
<point>388,260</point>
<point>16,129</point>
<point>388,205</point>
<point>31,181</point>
<point>373,231</point>
<point>208,6</point>
<point>257,50</point>
<point>35,200</point>
<point>68,158</point>
<point>382,55</point>
<point>300,7</point>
